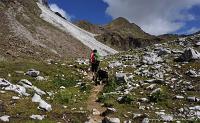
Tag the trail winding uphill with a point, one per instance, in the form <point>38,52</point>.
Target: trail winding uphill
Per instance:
<point>93,105</point>
<point>85,37</point>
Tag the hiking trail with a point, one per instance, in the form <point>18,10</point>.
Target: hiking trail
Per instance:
<point>92,104</point>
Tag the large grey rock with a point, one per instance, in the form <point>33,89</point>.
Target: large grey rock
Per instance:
<point>188,55</point>
<point>42,104</point>
<point>110,120</point>
<point>193,99</point>
<point>156,91</point>
<point>109,111</point>
<point>143,100</point>
<point>145,120</point>
<point>5,118</point>
<point>193,73</point>
<point>179,97</point>
<point>167,118</point>
<point>37,117</point>
<point>33,73</point>
<point>197,44</point>
<point>121,77</point>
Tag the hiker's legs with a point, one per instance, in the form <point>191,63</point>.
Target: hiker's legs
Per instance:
<point>96,72</point>
<point>93,71</point>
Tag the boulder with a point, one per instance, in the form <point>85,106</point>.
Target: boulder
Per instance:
<point>179,97</point>
<point>188,55</point>
<point>158,90</point>
<point>110,120</point>
<point>197,44</point>
<point>5,118</point>
<point>37,117</point>
<point>4,83</point>
<point>167,118</point>
<point>40,78</point>
<point>109,111</point>
<point>143,100</point>
<point>193,73</point>
<point>193,99</point>
<point>121,77</point>
<point>145,120</point>
<point>33,73</point>
<point>42,104</point>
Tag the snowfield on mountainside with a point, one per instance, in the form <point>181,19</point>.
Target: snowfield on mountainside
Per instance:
<point>85,37</point>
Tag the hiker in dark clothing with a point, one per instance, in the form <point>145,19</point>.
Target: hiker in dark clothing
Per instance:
<point>95,61</point>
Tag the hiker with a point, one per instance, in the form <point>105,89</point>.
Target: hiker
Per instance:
<point>94,60</point>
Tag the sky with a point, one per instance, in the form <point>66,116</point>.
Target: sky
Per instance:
<point>153,16</point>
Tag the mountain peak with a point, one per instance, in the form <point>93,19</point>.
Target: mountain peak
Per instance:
<point>121,19</point>
<point>119,22</point>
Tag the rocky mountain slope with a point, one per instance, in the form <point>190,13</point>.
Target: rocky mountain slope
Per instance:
<point>83,36</point>
<point>24,34</point>
<point>159,82</point>
<point>120,34</point>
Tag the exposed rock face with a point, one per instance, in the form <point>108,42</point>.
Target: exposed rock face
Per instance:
<point>90,27</point>
<point>120,34</point>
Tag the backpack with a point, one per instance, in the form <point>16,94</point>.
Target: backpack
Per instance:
<point>92,57</point>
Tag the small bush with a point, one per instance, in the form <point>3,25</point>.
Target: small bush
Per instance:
<point>157,97</point>
<point>126,100</point>
<point>110,87</point>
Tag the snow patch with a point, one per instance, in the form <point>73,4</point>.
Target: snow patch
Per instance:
<point>85,37</point>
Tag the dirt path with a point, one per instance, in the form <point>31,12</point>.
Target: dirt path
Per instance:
<point>92,104</point>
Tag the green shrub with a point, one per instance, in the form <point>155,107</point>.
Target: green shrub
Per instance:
<point>157,97</point>
<point>110,87</point>
<point>128,99</point>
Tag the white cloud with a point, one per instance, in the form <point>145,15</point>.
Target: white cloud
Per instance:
<point>193,30</point>
<point>153,16</point>
<point>56,8</point>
